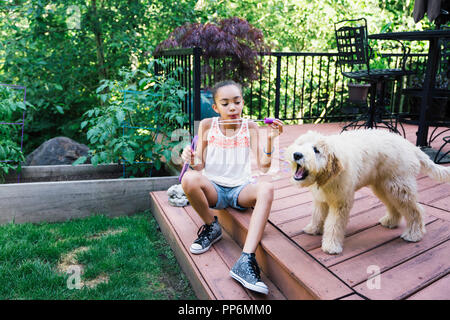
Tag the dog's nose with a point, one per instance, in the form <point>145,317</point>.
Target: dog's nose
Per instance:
<point>298,156</point>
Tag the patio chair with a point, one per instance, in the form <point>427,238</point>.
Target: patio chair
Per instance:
<point>442,156</point>
<point>354,60</point>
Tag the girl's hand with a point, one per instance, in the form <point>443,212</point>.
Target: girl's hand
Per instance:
<point>187,155</point>
<point>275,129</point>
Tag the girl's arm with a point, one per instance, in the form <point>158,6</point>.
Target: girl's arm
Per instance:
<point>200,154</point>
<point>264,154</point>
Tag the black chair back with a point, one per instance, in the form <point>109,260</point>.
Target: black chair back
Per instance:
<point>352,44</point>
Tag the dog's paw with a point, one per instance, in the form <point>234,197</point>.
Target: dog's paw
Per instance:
<point>331,247</point>
<point>313,229</point>
<point>412,235</point>
<point>389,222</point>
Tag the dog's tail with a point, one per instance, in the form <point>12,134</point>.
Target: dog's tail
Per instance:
<point>437,172</point>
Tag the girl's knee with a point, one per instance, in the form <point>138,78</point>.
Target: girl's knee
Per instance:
<point>266,190</point>
<point>190,181</point>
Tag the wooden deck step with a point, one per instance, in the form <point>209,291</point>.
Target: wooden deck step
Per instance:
<point>208,273</point>
<point>291,272</point>
<point>298,275</point>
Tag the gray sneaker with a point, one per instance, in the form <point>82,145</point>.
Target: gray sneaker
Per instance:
<point>207,236</point>
<point>246,271</point>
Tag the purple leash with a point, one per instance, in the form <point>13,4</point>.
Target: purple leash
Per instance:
<point>186,164</point>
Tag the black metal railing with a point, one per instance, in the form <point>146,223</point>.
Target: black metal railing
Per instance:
<point>293,86</point>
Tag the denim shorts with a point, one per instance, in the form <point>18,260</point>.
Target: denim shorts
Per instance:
<point>228,196</point>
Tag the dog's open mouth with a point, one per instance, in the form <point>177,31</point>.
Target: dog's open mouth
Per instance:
<point>301,173</point>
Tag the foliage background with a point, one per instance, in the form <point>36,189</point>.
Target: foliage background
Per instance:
<point>62,50</point>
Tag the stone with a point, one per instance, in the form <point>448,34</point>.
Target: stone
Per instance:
<point>177,198</point>
<point>57,151</point>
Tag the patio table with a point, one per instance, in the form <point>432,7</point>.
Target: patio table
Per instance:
<point>426,94</point>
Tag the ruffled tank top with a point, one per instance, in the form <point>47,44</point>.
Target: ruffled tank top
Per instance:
<point>227,160</point>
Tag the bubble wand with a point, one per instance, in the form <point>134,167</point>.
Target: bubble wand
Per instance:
<point>233,121</point>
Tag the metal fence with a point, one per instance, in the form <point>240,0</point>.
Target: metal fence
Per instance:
<point>293,86</point>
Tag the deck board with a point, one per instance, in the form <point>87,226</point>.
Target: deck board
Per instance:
<point>393,253</point>
<point>362,242</point>
<point>411,276</point>
<point>439,290</point>
<point>294,261</point>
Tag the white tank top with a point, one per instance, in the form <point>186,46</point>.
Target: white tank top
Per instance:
<point>227,160</point>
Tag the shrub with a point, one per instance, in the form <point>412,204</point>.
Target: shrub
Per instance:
<point>139,113</point>
<point>11,111</point>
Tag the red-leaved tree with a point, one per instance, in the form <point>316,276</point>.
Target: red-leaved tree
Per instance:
<point>230,48</point>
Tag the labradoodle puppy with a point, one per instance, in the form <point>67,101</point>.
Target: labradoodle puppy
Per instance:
<point>334,167</point>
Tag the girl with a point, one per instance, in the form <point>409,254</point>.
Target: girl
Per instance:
<point>223,153</point>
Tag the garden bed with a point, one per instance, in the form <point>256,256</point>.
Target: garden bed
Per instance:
<point>75,173</point>
<point>64,200</point>
<point>65,173</point>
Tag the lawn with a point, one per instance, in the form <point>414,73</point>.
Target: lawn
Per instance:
<point>118,258</point>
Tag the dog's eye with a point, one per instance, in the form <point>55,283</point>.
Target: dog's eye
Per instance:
<point>316,150</point>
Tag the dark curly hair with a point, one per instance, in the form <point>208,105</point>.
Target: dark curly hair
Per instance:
<point>225,83</point>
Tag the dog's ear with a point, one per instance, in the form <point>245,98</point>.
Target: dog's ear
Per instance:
<point>333,167</point>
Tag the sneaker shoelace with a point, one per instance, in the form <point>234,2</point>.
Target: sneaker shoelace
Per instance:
<point>253,269</point>
<point>204,230</point>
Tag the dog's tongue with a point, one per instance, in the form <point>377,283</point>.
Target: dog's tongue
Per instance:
<point>299,173</point>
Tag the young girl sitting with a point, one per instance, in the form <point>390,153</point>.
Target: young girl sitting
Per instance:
<point>223,153</point>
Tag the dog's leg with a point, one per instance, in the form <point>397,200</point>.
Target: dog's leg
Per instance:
<point>334,228</point>
<point>393,216</point>
<point>318,218</point>
<point>403,196</point>
<point>415,228</point>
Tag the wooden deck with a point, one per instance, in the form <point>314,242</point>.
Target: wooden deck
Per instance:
<point>293,264</point>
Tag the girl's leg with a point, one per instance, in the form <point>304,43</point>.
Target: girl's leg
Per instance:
<point>246,269</point>
<point>200,193</point>
<point>259,196</point>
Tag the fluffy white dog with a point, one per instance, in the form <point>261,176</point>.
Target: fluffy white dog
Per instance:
<point>334,167</point>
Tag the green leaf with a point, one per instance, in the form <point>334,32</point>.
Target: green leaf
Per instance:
<point>167,154</point>
<point>80,160</point>
<point>180,120</point>
<point>94,160</point>
<point>129,155</point>
<point>157,164</point>
<point>181,94</point>
<point>120,115</point>
<point>60,109</point>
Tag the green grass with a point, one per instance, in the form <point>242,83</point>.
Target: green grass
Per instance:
<point>121,258</point>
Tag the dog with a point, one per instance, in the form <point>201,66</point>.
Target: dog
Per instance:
<point>334,167</point>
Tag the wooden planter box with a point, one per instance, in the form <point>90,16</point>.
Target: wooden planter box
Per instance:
<point>64,200</point>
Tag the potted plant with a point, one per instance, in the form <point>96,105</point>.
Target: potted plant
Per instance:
<point>230,50</point>
<point>357,92</point>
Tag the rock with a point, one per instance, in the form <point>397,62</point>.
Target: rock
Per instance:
<point>59,150</point>
<point>177,198</point>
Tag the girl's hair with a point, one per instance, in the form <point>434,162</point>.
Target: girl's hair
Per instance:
<point>223,84</point>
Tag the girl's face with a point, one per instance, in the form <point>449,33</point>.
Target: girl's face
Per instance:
<point>228,102</point>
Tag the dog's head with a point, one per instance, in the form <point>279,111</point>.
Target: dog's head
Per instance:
<point>313,160</point>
